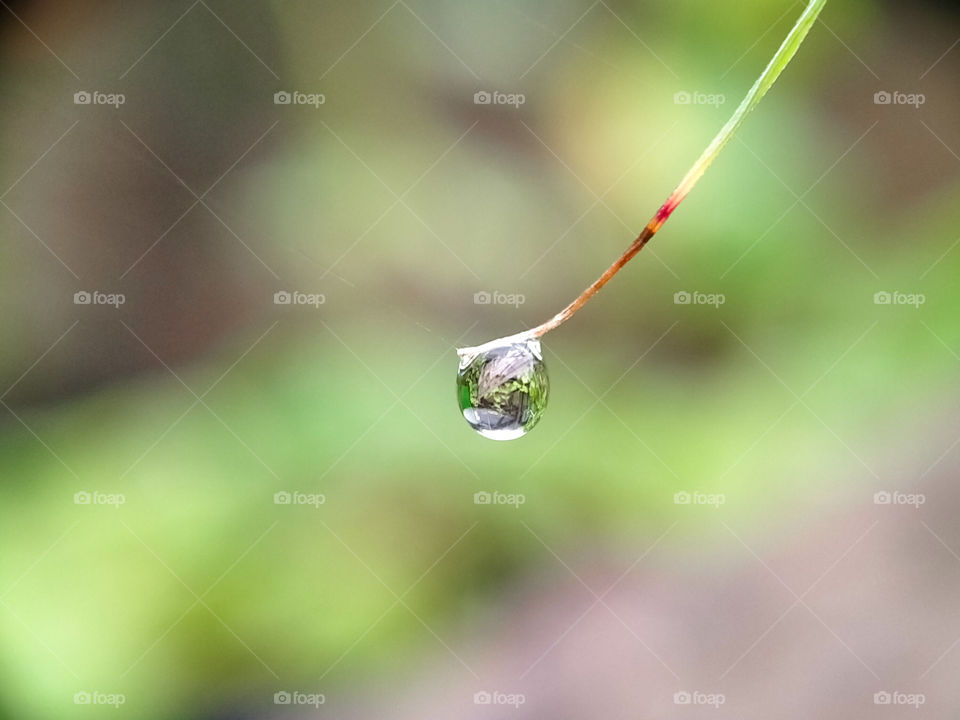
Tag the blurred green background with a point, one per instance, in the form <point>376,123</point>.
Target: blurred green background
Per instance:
<point>398,198</point>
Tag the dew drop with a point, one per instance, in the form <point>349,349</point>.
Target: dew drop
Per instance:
<point>502,388</point>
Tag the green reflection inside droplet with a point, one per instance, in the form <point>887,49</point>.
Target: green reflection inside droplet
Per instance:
<point>502,390</point>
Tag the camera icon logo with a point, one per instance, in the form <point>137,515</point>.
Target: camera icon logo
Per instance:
<point>82,98</point>
<point>882,97</point>
<point>482,698</point>
<point>882,298</point>
<point>482,97</point>
<point>681,98</point>
<point>681,498</point>
<point>882,698</point>
<point>482,498</point>
<point>82,298</point>
<point>282,98</point>
<point>282,297</point>
<point>281,698</point>
<point>282,498</point>
<point>681,298</point>
<point>682,697</point>
<point>81,698</point>
<point>81,498</point>
<point>882,498</point>
<point>482,298</point>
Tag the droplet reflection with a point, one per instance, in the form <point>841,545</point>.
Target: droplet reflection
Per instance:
<point>502,389</point>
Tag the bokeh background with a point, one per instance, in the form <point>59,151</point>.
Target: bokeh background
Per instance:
<point>786,586</point>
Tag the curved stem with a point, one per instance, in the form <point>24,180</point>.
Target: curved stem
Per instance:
<point>770,74</point>
<point>569,311</point>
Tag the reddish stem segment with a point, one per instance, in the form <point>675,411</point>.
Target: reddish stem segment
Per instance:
<point>656,222</point>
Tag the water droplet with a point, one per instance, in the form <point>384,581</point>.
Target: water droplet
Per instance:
<point>502,387</point>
